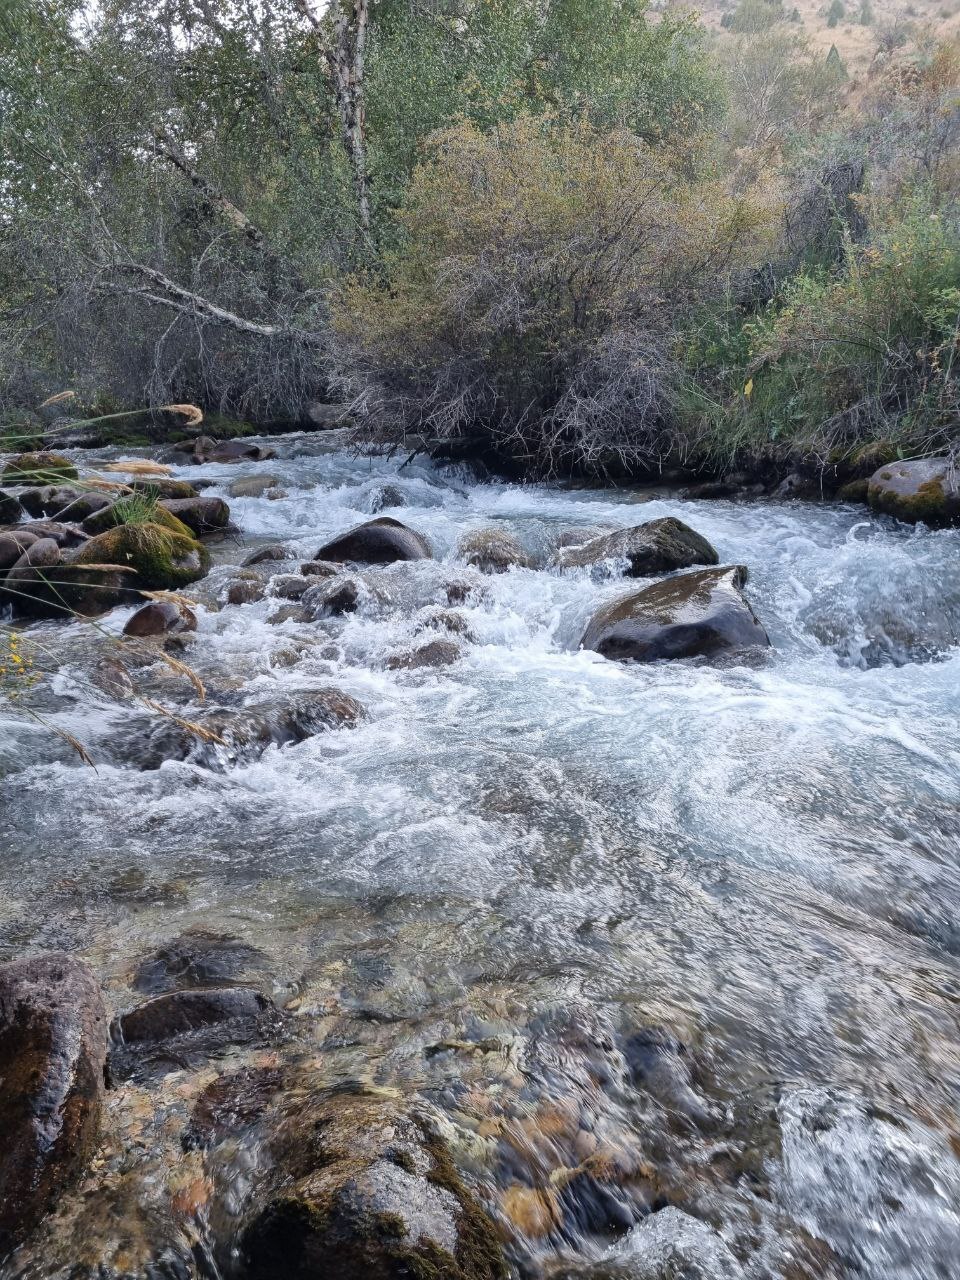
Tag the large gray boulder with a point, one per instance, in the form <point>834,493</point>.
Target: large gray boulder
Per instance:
<point>53,1043</point>
<point>380,541</point>
<point>363,1191</point>
<point>693,615</point>
<point>925,490</point>
<point>659,546</point>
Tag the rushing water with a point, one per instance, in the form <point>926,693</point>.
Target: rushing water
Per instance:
<point>543,851</point>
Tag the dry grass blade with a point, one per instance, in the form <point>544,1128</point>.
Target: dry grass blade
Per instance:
<point>113,568</point>
<point>173,597</point>
<point>191,726</point>
<point>59,398</point>
<point>77,745</point>
<point>192,416</point>
<point>138,467</point>
<point>182,669</point>
<point>111,486</point>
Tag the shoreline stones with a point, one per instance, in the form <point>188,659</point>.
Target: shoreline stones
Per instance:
<point>693,615</point>
<point>925,490</point>
<point>659,546</point>
<point>53,1042</point>
<point>380,541</point>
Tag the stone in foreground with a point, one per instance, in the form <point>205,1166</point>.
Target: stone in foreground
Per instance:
<point>380,541</point>
<point>694,615</point>
<point>364,1192</point>
<point>659,546</point>
<point>926,490</point>
<point>53,1042</point>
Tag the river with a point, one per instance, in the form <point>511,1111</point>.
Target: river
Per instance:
<point>540,851</point>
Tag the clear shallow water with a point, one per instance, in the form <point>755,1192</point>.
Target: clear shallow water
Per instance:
<point>761,858</point>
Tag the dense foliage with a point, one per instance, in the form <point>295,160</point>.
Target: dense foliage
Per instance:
<point>573,230</point>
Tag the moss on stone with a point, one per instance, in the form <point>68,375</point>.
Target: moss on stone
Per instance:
<point>39,468</point>
<point>162,558</point>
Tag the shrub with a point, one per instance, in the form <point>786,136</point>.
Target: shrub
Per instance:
<point>532,302</point>
<point>754,16</point>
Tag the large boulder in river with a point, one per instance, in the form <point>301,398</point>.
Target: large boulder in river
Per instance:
<point>380,541</point>
<point>659,546</point>
<point>926,489</point>
<point>693,615</point>
<point>492,551</point>
<point>362,1190</point>
<point>53,1041</point>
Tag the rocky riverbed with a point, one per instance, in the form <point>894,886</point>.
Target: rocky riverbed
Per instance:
<point>483,880</point>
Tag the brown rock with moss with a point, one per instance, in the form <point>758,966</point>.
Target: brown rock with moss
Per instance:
<point>925,490</point>
<point>53,1042</point>
<point>161,558</point>
<point>364,1191</point>
<point>39,468</point>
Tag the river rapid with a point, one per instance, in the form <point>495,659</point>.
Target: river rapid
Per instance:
<point>523,870</point>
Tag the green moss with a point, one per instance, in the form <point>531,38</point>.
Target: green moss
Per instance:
<point>162,558</point>
<point>39,468</point>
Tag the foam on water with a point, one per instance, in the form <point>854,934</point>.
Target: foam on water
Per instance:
<point>769,851</point>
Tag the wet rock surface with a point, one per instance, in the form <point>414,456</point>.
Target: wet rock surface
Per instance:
<point>161,618</point>
<point>693,615</point>
<point>657,547</point>
<point>52,1053</point>
<point>367,1190</point>
<point>197,958</point>
<point>185,1027</point>
<point>380,541</point>
<point>492,551</point>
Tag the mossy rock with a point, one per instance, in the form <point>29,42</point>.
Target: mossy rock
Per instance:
<point>163,558</point>
<point>39,468</point>
<point>109,518</point>
<point>925,490</point>
<point>853,491</point>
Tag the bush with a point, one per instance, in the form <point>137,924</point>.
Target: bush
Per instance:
<point>868,352</point>
<point>754,16</point>
<point>533,300</point>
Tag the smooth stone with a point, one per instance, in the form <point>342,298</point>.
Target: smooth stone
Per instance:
<point>200,515</point>
<point>246,589</point>
<point>320,569</point>
<point>331,598</point>
<point>291,586</point>
<point>380,541</point>
<point>10,509</point>
<point>693,615</point>
<point>53,1042</point>
<point>253,486</point>
<point>263,554</point>
<point>13,543</point>
<point>161,618</point>
<point>659,546</point>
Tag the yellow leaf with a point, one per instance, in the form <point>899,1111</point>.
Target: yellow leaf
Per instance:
<point>748,388</point>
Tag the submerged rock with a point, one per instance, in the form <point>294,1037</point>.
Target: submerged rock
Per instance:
<point>363,1191</point>
<point>248,732</point>
<point>380,541</point>
<point>253,486</point>
<point>672,1245</point>
<point>262,554</point>
<point>245,587</point>
<point>693,615</point>
<point>187,1026</point>
<point>436,653</point>
<point>492,551</point>
<point>926,490</point>
<point>196,958</point>
<point>161,618</point>
<point>53,1041</point>
<point>659,546</point>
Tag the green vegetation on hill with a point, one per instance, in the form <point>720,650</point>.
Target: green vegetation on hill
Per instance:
<point>574,233</point>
